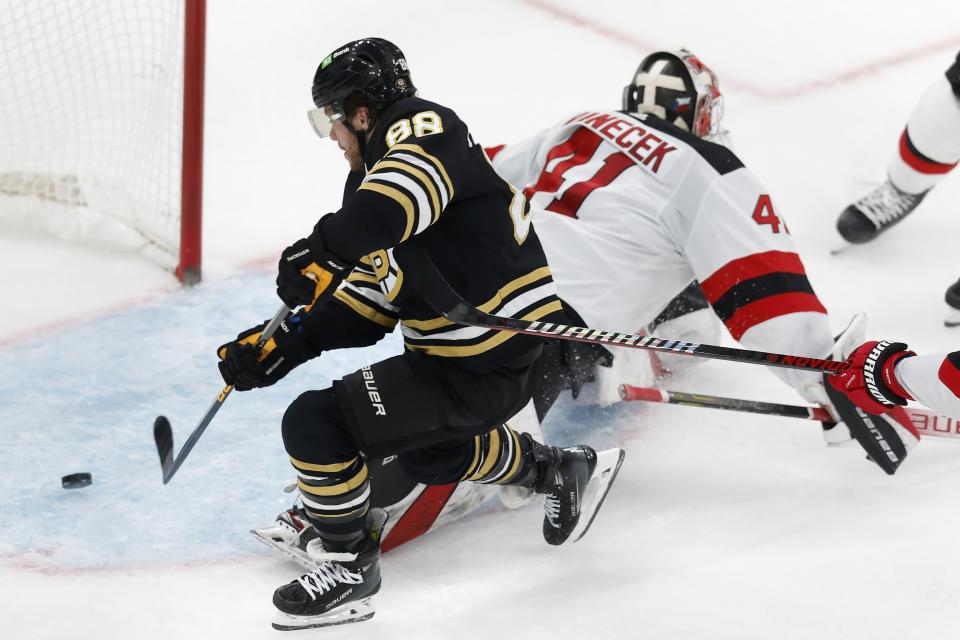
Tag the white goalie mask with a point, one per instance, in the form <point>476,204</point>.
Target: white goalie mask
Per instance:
<point>677,87</point>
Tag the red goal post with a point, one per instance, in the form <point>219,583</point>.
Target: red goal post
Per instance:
<point>101,124</point>
<point>191,198</point>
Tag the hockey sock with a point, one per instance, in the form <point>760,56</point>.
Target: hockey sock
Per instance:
<point>336,498</point>
<point>930,144</point>
<point>500,456</point>
<point>331,475</point>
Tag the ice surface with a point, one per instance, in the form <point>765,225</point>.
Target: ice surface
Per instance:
<point>87,402</point>
<point>720,526</point>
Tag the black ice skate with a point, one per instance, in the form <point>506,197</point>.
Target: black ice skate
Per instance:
<point>341,588</point>
<point>575,481</point>
<point>953,302</point>
<point>876,212</point>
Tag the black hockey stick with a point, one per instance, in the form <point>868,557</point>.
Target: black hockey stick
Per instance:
<point>468,315</point>
<point>438,292</point>
<point>163,433</point>
<point>926,422</point>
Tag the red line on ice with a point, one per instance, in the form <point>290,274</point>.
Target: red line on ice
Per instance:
<point>265,262</point>
<point>32,560</point>
<point>20,336</point>
<point>825,82</point>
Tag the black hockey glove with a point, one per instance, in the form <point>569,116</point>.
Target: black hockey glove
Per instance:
<point>245,367</point>
<point>308,272</point>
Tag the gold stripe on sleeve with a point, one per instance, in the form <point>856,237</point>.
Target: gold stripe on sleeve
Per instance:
<point>399,197</point>
<point>418,150</point>
<point>367,312</point>
<point>489,343</point>
<point>489,305</point>
<point>421,177</point>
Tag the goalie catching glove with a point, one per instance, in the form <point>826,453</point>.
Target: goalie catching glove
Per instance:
<point>245,367</point>
<point>308,272</point>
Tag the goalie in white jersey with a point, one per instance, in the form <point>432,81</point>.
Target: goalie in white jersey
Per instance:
<point>634,205</point>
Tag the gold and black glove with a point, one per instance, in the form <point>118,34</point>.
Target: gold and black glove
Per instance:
<point>246,367</point>
<point>308,272</point>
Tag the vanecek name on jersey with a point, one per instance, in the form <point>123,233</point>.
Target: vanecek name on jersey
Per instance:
<point>631,209</point>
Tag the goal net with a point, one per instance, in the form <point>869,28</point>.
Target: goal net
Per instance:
<point>101,123</point>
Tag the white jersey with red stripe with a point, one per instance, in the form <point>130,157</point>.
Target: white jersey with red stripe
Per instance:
<point>631,209</point>
<point>933,380</point>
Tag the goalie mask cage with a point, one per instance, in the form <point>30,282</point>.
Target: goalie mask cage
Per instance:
<point>101,124</point>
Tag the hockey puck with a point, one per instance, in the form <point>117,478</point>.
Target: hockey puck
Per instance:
<point>76,480</point>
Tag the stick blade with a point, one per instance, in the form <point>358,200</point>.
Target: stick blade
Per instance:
<point>163,436</point>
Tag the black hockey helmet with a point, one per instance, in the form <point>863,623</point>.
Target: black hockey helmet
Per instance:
<point>373,67</point>
<point>676,86</point>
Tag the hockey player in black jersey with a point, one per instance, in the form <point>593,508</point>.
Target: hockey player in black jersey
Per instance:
<point>428,195</point>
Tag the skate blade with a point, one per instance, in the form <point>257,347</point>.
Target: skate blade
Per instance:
<point>608,466</point>
<point>351,612</point>
<point>294,553</point>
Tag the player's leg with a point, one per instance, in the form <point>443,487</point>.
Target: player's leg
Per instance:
<point>333,481</point>
<point>446,435</point>
<point>416,507</point>
<point>380,410</point>
<point>400,404</point>
<point>953,292</point>
<point>412,508</point>
<point>573,480</point>
<point>395,405</point>
<point>929,148</point>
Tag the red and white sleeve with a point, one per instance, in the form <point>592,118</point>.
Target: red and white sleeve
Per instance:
<point>749,269</point>
<point>933,381</point>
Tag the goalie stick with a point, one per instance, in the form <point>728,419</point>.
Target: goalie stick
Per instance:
<point>438,292</point>
<point>926,422</point>
<point>163,433</point>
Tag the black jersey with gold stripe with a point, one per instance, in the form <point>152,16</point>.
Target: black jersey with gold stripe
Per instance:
<point>428,182</point>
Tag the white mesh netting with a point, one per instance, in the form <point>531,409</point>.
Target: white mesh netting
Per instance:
<point>91,121</point>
